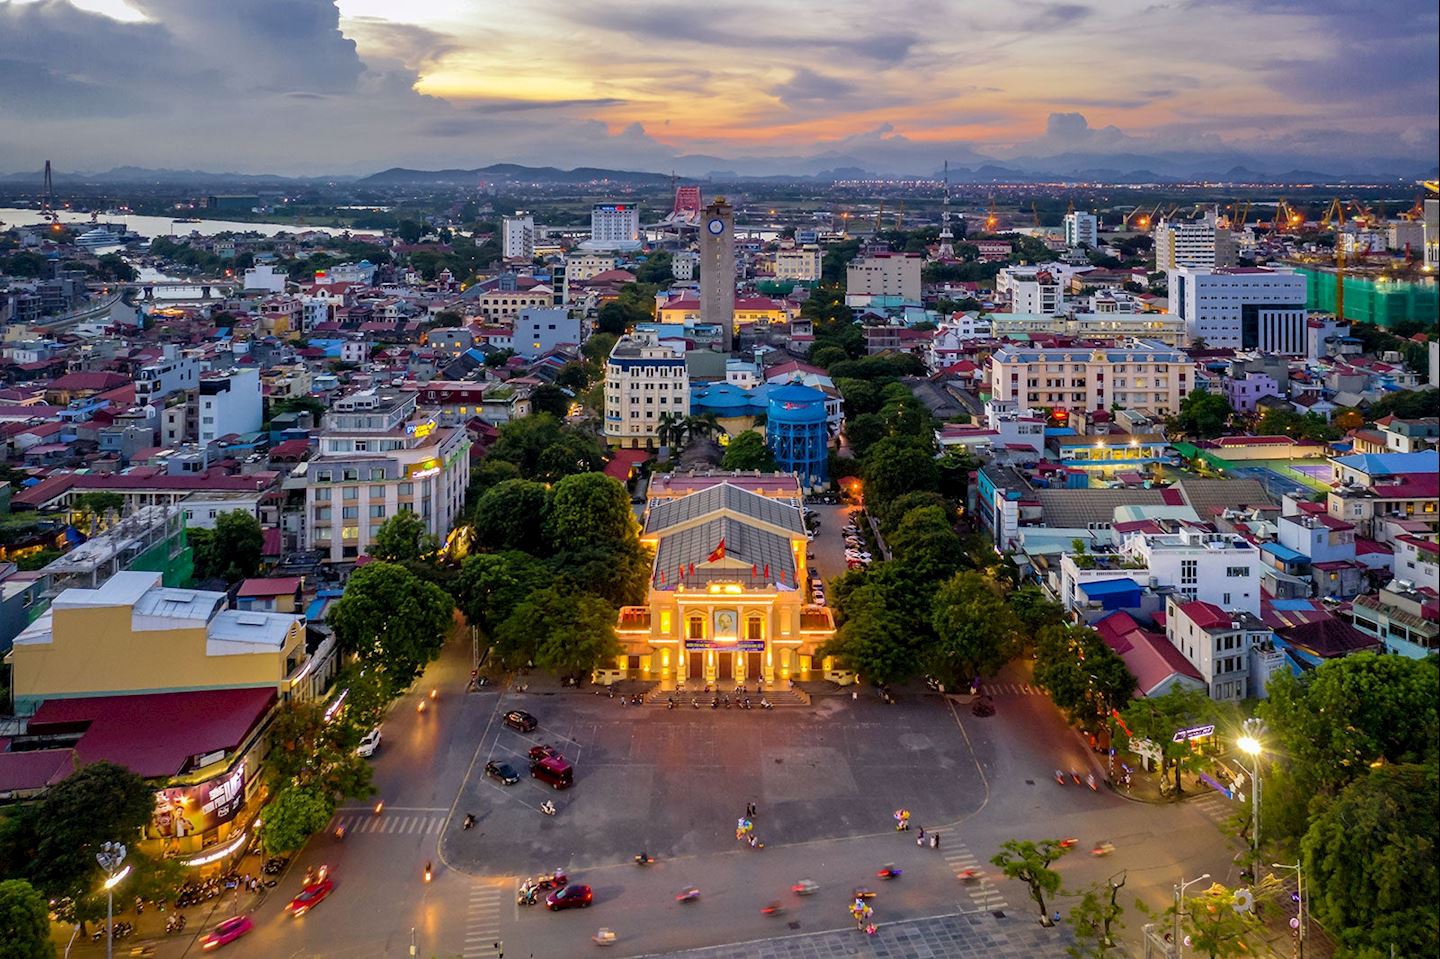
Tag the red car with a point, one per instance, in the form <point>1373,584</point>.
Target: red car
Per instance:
<point>570,897</point>
<point>227,932</point>
<point>546,751</point>
<point>310,896</point>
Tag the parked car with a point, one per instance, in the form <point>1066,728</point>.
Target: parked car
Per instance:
<point>310,897</point>
<point>369,744</point>
<point>545,751</point>
<point>521,721</point>
<point>574,896</point>
<point>227,932</point>
<point>502,773</point>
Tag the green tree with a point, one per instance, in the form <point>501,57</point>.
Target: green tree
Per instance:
<point>884,622</point>
<point>24,922</point>
<point>1329,725</point>
<point>96,804</point>
<point>976,631</point>
<point>617,572</point>
<point>490,472</point>
<point>1083,676</point>
<point>293,816</point>
<point>1214,927</point>
<point>896,466</point>
<point>232,551</point>
<point>509,514</point>
<point>299,404</point>
<point>1158,718</point>
<point>548,398</point>
<point>1202,415</point>
<point>308,750</point>
<point>589,508</point>
<point>493,584</point>
<point>391,620</point>
<point>543,449</point>
<point>1035,610</point>
<point>403,538</point>
<point>926,543</point>
<point>88,510</point>
<point>748,452</point>
<point>1029,862</point>
<point>1097,919</point>
<point>890,514</point>
<point>1306,426</point>
<point>824,356</point>
<point>558,630</point>
<point>1369,860</point>
<point>656,269</point>
<point>863,431</point>
<point>410,230</point>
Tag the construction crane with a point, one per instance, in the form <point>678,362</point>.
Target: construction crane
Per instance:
<point>1287,218</point>
<point>900,216</point>
<point>1125,220</point>
<point>1035,214</point>
<point>1237,220</point>
<point>1364,217</point>
<point>1415,212</point>
<point>1334,213</point>
<point>879,214</point>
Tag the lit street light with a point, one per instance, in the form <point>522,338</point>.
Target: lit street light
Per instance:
<point>1298,923</point>
<point>110,856</point>
<point>1250,745</point>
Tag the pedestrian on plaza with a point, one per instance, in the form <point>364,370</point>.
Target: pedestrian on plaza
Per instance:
<point>934,840</point>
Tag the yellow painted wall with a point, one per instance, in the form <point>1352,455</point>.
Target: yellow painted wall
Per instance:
<point>93,650</point>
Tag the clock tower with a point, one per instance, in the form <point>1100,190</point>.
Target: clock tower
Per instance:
<point>717,269</point>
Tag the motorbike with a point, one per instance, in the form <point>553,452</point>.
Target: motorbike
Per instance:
<point>695,703</point>
<point>1103,849</point>
<point>420,707</point>
<point>547,807</point>
<point>670,702</point>
<point>547,883</point>
<point>863,893</point>
<point>773,909</point>
<point>969,875</point>
<point>434,693</point>
<point>766,704</point>
<point>1060,777</point>
<point>805,887</point>
<point>469,822</point>
<point>1090,781</point>
<point>379,807</point>
<point>1067,842</point>
<point>175,923</point>
<point>339,832</point>
<point>1075,775</point>
<point>644,860</point>
<point>428,872</point>
<point>604,938</point>
<point>687,895</point>
<point>889,871</point>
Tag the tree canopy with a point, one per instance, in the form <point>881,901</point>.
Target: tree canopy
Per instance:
<point>1157,718</point>
<point>392,620</point>
<point>748,451</point>
<point>403,537</point>
<point>293,816</point>
<point>231,551</point>
<point>493,584</point>
<point>545,450</point>
<point>895,466</point>
<point>588,508</point>
<point>510,513</point>
<point>1029,862</point>
<point>1202,415</point>
<point>24,922</point>
<point>976,631</point>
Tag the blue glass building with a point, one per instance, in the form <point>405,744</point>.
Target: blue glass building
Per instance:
<point>796,432</point>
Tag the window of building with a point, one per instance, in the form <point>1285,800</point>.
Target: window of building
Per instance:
<point>377,492</point>
<point>349,532</point>
<point>350,512</point>
<point>695,627</point>
<point>351,492</point>
<point>665,622</point>
<point>754,628</point>
<point>351,474</point>
<point>377,512</point>
<point>322,496</point>
<point>324,476</point>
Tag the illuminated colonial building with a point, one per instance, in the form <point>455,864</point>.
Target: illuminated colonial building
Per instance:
<point>728,599</point>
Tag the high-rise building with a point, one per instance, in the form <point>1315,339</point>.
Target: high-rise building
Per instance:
<point>1249,308</point>
<point>1081,228</point>
<point>1137,377</point>
<point>645,380</point>
<point>717,269</point>
<point>379,456</point>
<point>1431,219</point>
<point>888,276</point>
<point>1031,289</point>
<point>518,237</point>
<point>1199,243</point>
<point>229,403</point>
<point>798,263</point>
<point>614,226</point>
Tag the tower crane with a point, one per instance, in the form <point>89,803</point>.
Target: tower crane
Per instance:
<point>900,215</point>
<point>879,215</point>
<point>1125,220</point>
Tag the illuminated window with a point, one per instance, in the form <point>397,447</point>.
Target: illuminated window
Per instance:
<point>695,627</point>
<point>665,621</point>
<point>754,628</point>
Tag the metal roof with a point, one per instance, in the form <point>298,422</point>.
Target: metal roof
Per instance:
<point>664,514</point>
<point>749,550</point>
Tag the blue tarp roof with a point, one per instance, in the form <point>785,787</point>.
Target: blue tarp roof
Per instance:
<point>1109,587</point>
<point>1285,553</point>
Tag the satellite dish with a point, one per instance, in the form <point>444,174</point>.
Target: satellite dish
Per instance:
<point>1244,901</point>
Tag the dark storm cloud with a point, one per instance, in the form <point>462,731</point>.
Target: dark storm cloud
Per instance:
<point>806,85</point>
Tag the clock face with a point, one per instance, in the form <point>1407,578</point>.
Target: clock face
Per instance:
<point>716,226</point>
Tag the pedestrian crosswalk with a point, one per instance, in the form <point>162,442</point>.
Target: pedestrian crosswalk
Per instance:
<point>482,923</point>
<point>394,823</point>
<point>983,893</point>
<point>1215,807</point>
<point>1011,689</point>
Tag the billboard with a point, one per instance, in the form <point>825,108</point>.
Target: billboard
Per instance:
<point>187,810</point>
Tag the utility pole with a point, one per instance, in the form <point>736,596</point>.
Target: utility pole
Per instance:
<point>110,856</point>
<point>1299,923</point>
<point>1180,888</point>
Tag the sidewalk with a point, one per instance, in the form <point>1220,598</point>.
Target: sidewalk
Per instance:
<point>959,936</point>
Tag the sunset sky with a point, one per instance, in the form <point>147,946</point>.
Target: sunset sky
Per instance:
<point>312,86</point>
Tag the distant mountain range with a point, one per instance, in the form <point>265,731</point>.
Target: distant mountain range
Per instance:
<point>903,161</point>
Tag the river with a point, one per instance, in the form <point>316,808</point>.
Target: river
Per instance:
<point>153,226</point>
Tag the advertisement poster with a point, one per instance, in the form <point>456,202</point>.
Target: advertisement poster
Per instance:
<point>188,810</point>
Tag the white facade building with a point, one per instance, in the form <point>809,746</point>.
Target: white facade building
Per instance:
<point>1243,308</point>
<point>1221,644</point>
<point>537,332</point>
<point>1201,244</point>
<point>683,263</point>
<point>614,226</point>
<point>894,276</point>
<point>229,403</point>
<point>1219,568</point>
<point>378,455</point>
<point>517,237</point>
<point>1031,289</point>
<point>172,374</point>
<point>1431,219</point>
<point>644,380</point>
<point>265,277</point>
<point>1082,228</point>
<point>1141,376</point>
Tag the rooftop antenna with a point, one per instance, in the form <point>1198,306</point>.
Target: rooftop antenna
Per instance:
<point>947,246</point>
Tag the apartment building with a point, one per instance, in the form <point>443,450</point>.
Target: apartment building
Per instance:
<point>1031,289</point>
<point>583,266</point>
<point>798,263</point>
<point>614,226</point>
<point>1082,229</point>
<point>172,373</point>
<point>1140,376</point>
<point>1198,563</point>
<point>229,402</point>
<point>1249,308</point>
<point>645,379</point>
<point>505,305</point>
<point>517,237</point>
<point>889,276</point>
<point>379,455</point>
<point>1201,244</point>
<point>1219,643</point>
<point>1158,327</point>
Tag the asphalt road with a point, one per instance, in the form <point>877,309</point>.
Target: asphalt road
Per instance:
<point>826,780</point>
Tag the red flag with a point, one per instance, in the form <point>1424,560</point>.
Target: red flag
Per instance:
<point>718,553</point>
<point>692,569</point>
<point>753,570</point>
<point>767,570</point>
<point>662,577</point>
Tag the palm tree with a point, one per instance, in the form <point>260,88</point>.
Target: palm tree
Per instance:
<point>707,425</point>
<point>672,430</point>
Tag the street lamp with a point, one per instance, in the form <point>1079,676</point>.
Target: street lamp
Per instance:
<point>1180,904</point>
<point>110,856</point>
<point>1250,745</point>
<point>1298,923</point>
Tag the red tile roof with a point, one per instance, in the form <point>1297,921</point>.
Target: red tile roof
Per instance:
<point>1150,659</point>
<point>264,587</point>
<point>156,735</point>
<point>34,770</point>
<point>1205,615</point>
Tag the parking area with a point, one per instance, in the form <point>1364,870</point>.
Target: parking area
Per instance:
<point>828,546</point>
<point>675,781</point>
